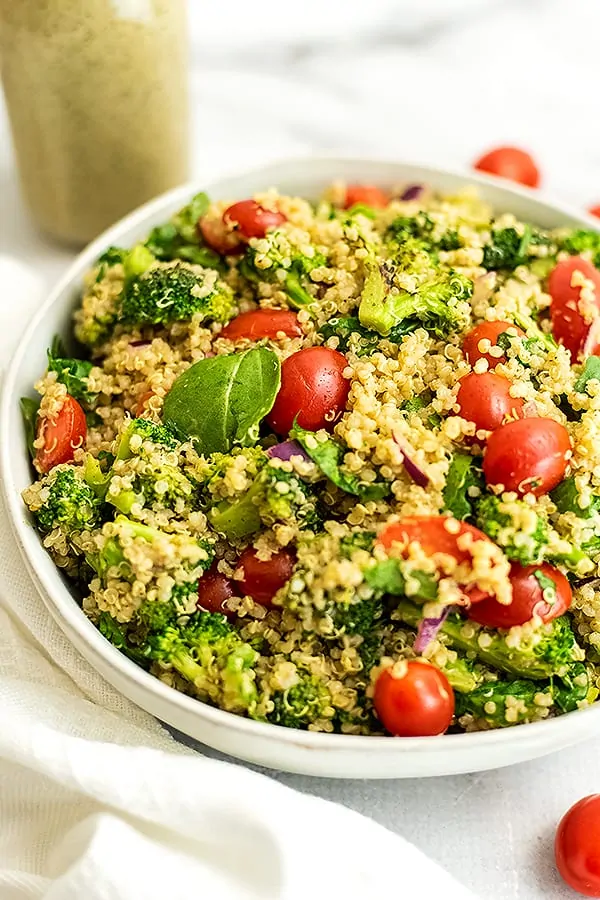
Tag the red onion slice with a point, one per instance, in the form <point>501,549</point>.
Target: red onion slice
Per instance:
<point>412,192</point>
<point>411,468</point>
<point>286,450</point>
<point>428,629</point>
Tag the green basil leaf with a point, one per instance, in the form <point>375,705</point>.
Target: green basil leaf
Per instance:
<point>221,401</point>
<point>29,411</point>
<point>463,474</point>
<point>386,577</point>
<point>329,456</point>
<point>591,371</point>
<point>73,373</point>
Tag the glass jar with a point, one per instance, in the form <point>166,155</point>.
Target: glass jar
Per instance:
<point>98,104</point>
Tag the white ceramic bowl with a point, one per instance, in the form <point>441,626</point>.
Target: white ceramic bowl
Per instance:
<point>332,755</point>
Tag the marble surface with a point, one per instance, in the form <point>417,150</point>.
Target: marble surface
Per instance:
<point>429,80</point>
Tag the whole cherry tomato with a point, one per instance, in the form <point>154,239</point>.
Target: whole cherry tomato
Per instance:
<point>512,163</point>
<point>262,578</point>
<point>62,435</point>
<point>413,699</point>
<point>251,220</point>
<point>577,846</point>
<point>485,400</point>
<point>573,311</point>
<point>474,347</point>
<point>437,534</point>
<point>527,456</point>
<point>313,389</point>
<point>214,589</point>
<point>528,598</point>
<point>262,323</point>
<point>594,211</point>
<point>367,194</point>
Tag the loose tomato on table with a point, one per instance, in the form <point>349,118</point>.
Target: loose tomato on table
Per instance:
<point>214,589</point>
<point>528,598</point>
<point>485,400</point>
<point>313,389</point>
<point>437,534</point>
<point>594,211</point>
<point>572,311</point>
<point>512,163</point>
<point>527,456</point>
<point>251,220</point>
<point>577,846</point>
<point>262,578</point>
<point>262,323</point>
<point>367,194</point>
<point>488,332</point>
<point>62,434</point>
<point>413,699</point>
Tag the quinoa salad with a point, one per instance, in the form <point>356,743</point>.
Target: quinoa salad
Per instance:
<point>335,464</point>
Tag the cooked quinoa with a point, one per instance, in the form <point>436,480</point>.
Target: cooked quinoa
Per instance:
<point>273,528</point>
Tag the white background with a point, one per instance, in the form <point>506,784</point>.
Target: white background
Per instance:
<point>429,80</point>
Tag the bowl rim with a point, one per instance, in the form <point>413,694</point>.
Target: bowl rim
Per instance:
<point>63,605</point>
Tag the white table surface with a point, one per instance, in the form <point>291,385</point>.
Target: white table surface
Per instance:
<point>437,81</point>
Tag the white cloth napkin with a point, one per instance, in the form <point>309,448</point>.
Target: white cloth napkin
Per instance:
<point>98,801</point>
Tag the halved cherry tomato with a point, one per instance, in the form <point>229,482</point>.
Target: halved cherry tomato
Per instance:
<point>214,589</point>
<point>512,163</point>
<point>367,194</point>
<point>262,323</point>
<point>252,220</point>
<point>313,388</point>
<point>489,332</point>
<point>437,534</point>
<point>594,211</point>
<point>63,434</point>
<point>219,237</point>
<point>572,315</point>
<point>263,578</point>
<point>527,598</point>
<point>413,699</point>
<point>485,400</point>
<point>577,846</point>
<point>527,456</point>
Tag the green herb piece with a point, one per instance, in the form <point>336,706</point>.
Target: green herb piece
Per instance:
<point>591,372</point>
<point>566,498</point>
<point>186,220</point>
<point>221,401</point>
<point>73,373</point>
<point>329,456</point>
<point>29,411</point>
<point>464,474</point>
<point>387,577</point>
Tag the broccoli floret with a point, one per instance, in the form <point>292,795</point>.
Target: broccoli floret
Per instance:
<point>464,674</point>
<point>280,262</point>
<point>209,654</point>
<point>582,240</point>
<point>524,653</point>
<point>508,249</point>
<point>438,305</point>
<point>275,495</point>
<point>502,703</point>
<point>69,503</point>
<point>514,526</point>
<point>114,256</point>
<point>422,229</point>
<point>303,704</point>
<point>145,430</point>
<point>172,292</point>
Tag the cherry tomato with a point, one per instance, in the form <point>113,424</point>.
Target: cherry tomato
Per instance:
<point>214,589</point>
<point>577,846</point>
<point>367,194</point>
<point>414,699</point>
<point>252,220</point>
<point>485,400</point>
<point>263,578</point>
<point>487,331</point>
<point>63,434</point>
<point>262,323</point>
<point>512,163</point>
<point>594,211</point>
<point>572,314</point>
<point>219,237</point>
<point>437,534</point>
<point>143,403</point>
<point>313,388</point>
<point>527,598</point>
<point>527,456</point>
